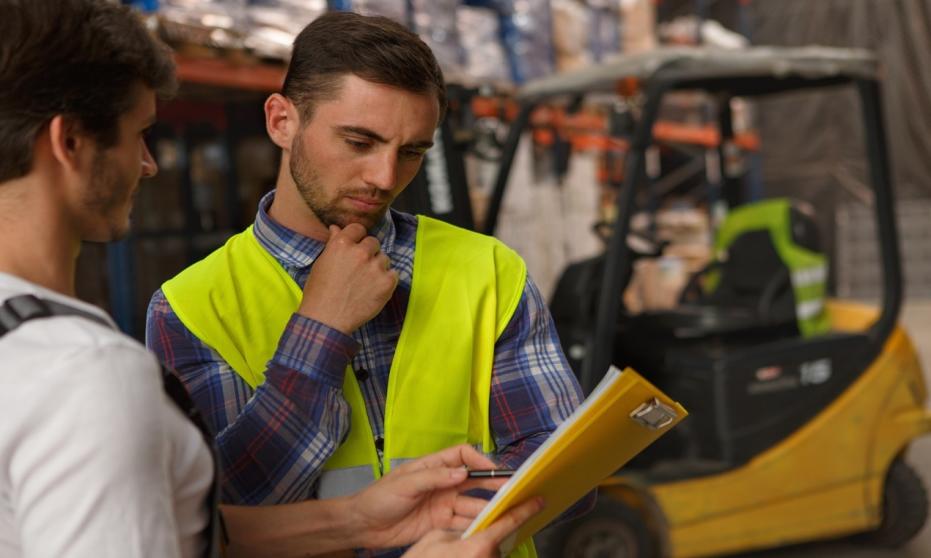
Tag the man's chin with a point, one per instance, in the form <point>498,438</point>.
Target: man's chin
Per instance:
<point>367,220</point>
<point>112,234</point>
<point>118,234</point>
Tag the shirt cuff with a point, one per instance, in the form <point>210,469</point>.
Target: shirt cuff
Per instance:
<point>315,349</point>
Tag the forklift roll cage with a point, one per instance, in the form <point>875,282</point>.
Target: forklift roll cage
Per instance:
<point>750,72</point>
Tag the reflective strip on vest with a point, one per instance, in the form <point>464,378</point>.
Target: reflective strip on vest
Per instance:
<point>809,309</point>
<point>349,480</point>
<point>340,482</point>
<point>814,275</point>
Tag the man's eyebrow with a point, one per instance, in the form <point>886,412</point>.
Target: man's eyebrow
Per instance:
<point>365,132</point>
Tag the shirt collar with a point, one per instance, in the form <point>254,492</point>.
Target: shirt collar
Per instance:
<point>295,250</point>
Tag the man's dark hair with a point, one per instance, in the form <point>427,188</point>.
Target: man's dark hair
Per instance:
<point>79,58</point>
<point>373,48</point>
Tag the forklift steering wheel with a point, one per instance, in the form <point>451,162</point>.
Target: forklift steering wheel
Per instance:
<point>643,246</point>
<point>639,244</point>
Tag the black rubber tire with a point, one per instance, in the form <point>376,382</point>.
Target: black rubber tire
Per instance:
<point>905,507</point>
<point>610,530</point>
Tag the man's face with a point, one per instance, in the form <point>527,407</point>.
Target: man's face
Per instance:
<point>115,172</point>
<point>360,150</point>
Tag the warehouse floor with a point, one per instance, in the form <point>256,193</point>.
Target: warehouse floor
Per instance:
<point>917,320</point>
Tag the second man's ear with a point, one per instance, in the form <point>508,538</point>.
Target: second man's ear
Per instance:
<point>282,120</point>
<point>67,142</point>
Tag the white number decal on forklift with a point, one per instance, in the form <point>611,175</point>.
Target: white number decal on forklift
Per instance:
<point>816,372</point>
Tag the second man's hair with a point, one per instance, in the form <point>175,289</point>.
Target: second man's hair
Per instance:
<point>78,58</point>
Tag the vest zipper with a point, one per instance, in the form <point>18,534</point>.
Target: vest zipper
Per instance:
<point>380,452</point>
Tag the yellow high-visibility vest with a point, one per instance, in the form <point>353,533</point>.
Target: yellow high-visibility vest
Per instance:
<point>808,269</point>
<point>464,290</point>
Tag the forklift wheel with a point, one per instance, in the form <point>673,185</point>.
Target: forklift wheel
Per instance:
<point>905,507</point>
<point>610,530</point>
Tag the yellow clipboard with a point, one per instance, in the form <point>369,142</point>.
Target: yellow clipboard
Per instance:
<point>622,416</point>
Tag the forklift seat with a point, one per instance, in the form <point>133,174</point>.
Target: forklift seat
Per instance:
<point>768,274</point>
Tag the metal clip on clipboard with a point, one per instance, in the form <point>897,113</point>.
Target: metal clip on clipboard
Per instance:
<point>654,414</point>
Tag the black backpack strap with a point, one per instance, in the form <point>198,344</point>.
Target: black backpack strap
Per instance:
<point>216,531</point>
<point>20,309</point>
<point>23,308</point>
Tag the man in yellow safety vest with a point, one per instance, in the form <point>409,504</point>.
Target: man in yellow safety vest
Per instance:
<point>337,338</point>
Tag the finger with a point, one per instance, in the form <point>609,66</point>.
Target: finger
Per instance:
<point>510,522</point>
<point>438,536</point>
<point>333,230</point>
<point>370,245</point>
<point>474,459</point>
<point>449,457</point>
<point>383,261</point>
<point>462,455</point>
<point>460,523</point>
<point>469,506</point>
<point>386,283</point>
<point>414,483</point>
<point>485,484</point>
<point>354,232</point>
<point>448,535</point>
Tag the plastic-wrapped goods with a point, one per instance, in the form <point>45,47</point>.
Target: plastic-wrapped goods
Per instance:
<point>272,25</point>
<point>638,22</point>
<point>394,9</point>
<point>605,29</point>
<point>484,58</point>
<point>144,6</point>
<point>435,22</point>
<point>548,221</point>
<point>531,220</point>
<point>571,27</point>
<point>217,23</point>
<point>688,29</point>
<point>528,34</point>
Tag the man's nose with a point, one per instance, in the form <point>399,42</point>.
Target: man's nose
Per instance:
<point>382,170</point>
<point>149,166</point>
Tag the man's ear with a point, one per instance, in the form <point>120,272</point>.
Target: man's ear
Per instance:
<point>282,120</point>
<point>67,141</point>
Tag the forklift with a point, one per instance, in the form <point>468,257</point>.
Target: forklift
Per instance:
<point>801,407</point>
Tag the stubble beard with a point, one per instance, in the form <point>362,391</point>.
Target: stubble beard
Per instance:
<point>312,192</point>
<point>107,197</point>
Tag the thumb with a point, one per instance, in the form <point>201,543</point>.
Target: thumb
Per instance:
<point>334,230</point>
<point>508,523</point>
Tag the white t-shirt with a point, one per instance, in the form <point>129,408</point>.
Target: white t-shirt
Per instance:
<point>95,460</point>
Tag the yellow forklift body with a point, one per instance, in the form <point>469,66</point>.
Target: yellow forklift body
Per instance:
<point>825,480</point>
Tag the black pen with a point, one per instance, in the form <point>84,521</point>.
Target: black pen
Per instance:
<point>490,473</point>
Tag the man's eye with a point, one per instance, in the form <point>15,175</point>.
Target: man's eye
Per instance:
<point>413,154</point>
<point>358,145</point>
